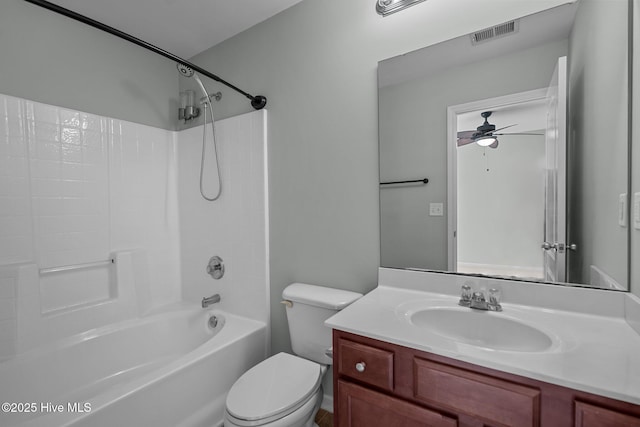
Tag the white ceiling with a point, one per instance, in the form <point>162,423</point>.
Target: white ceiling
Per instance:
<point>182,27</point>
<point>536,29</point>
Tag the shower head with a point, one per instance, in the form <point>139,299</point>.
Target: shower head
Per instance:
<point>184,70</point>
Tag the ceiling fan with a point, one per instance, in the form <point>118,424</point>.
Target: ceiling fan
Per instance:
<point>485,135</point>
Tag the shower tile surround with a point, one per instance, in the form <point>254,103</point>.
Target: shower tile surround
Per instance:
<point>235,227</point>
<point>78,188</point>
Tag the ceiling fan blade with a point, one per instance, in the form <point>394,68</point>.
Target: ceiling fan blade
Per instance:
<point>505,127</point>
<point>532,134</point>
<point>466,134</point>
<point>465,141</point>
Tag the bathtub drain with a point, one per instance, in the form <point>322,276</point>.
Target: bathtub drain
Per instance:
<point>213,322</point>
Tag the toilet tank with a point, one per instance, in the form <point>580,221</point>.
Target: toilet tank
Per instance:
<point>308,306</point>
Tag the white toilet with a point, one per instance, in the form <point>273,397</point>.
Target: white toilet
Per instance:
<point>286,390</point>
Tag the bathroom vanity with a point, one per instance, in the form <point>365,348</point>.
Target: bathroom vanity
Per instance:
<point>377,383</point>
<point>544,364</point>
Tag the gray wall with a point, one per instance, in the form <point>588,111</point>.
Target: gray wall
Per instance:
<point>598,89</point>
<point>413,136</point>
<point>316,62</point>
<point>49,58</point>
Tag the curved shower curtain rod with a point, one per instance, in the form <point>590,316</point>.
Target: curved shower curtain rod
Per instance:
<point>258,102</point>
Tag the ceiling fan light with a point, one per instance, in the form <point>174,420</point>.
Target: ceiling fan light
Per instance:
<point>486,141</point>
<point>387,7</point>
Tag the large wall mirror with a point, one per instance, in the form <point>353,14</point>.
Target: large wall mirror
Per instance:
<point>506,152</point>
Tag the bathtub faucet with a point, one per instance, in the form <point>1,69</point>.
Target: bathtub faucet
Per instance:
<point>206,302</point>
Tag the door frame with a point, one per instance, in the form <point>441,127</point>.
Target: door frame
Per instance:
<point>452,164</point>
<point>555,261</point>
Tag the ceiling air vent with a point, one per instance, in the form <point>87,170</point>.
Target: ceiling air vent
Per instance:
<point>495,32</point>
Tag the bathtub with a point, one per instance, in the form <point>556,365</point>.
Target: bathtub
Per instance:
<point>172,368</point>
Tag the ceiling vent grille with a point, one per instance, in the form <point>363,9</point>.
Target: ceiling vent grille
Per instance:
<point>495,32</point>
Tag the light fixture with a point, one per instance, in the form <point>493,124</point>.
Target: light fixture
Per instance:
<point>487,140</point>
<point>387,7</point>
<point>188,110</point>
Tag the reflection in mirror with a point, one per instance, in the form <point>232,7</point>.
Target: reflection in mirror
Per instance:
<point>549,200</point>
<point>490,182</point>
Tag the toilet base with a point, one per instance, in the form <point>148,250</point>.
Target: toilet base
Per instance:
<point>302,417</point>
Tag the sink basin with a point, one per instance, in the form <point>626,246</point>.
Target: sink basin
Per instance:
<point>481,328</point>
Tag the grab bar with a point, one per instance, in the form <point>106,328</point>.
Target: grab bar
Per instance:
<point>76,266</point>
<point>422,180</point>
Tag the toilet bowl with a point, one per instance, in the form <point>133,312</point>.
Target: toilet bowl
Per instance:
<point>282,391</point>
<point>285,390</point>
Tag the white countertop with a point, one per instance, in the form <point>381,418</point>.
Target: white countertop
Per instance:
<point>598,354</point>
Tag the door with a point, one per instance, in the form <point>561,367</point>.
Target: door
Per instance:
<point>555,206</point>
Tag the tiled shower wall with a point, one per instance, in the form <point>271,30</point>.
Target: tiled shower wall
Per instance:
<point>78,188</point>
<point>236,226</point>
<point>75,188</point>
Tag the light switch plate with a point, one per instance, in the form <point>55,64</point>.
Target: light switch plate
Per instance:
<point>622,210</point>
<point>436,209</point>
<point>636,211</point>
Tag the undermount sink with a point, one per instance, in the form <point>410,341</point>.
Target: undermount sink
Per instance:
<point>482,328</point>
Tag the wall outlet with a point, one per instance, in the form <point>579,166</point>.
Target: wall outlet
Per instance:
<point>622,210</point>
<point>636,211</point>
<point>436,209</point>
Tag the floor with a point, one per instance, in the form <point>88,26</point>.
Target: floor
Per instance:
<point>324,418</point>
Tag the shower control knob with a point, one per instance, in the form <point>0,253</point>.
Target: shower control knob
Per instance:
<point>361,366</point>
<point>215,267</point>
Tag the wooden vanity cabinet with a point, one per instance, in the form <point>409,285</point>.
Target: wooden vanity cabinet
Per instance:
<point>361,406</point>
<point>381,384</point>
<point>588,415</point>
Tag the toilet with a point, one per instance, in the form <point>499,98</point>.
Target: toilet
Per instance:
<point>286,390</point>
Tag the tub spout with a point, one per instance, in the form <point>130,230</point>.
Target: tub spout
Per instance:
<point>206,302</point>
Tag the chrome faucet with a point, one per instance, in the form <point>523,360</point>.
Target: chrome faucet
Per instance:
<point>478,301</point>
<point>494,300</point>
<point>206,302</point>
<point>465,296</point>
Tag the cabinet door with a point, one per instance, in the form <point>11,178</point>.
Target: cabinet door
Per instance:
<point>588,415</point>
<point>361,407</point>
<point>493,400</point>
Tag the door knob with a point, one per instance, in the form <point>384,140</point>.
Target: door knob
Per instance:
<point>561,247</point>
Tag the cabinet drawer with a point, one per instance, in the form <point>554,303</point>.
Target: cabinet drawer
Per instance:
<point>365,363</point>
<point>588,415</point>
<point>481,396</point>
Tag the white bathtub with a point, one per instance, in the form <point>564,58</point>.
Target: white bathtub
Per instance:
<point>167,369</point>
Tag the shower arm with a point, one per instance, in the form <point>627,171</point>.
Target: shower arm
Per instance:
<point>258,102</point>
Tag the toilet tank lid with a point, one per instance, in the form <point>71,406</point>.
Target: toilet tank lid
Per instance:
<point>319,296</point>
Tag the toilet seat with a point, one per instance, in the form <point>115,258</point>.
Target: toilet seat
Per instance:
<point>273,389</point>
